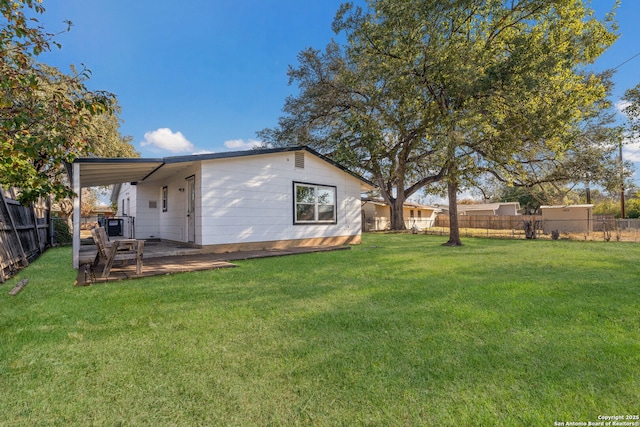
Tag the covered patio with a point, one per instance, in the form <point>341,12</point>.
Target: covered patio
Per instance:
<point>166,250</point>
<point>91,172</point>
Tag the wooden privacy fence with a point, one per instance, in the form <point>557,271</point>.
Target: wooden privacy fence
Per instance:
<point>491,222</point>
<point>24,232</point>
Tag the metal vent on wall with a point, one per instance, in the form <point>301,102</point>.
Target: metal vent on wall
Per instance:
<point>299,161</point>
<point>153,204</point>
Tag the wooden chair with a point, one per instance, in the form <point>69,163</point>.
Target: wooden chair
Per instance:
<point>110,251</point>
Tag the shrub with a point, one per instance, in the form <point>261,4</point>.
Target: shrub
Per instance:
<point>61,233</point>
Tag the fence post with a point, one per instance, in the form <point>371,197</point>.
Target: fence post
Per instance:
<point>35,227</point>
<point>23,255</point>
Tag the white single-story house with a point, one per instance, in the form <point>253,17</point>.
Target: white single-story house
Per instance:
<point>567,219</point>
<point>376,215</point>
<point>232,201</point>
<point>500,208</point>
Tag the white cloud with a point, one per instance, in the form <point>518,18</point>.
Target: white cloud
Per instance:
<point>621,105</point>
<point>166,139</point>
<point>631,151</point>
<point>203,152</point>
<point>241,144</point>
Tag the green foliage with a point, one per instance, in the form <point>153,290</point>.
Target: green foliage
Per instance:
<point>99,134</point>
<point>612,206</point>
<point>428,90</point>
<point>607,207</point>
<point>47,132</point>
<point>103,136</point>
<point>47,118</point>
<point>632,207</point>
<point>530,199</point>
<point>497,333</point>
<point>61,233</point>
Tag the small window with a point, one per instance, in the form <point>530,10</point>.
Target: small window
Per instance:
<point>419,214</point>
<point>411,213</point>
<point>165,193</point>
<point>314,204</point>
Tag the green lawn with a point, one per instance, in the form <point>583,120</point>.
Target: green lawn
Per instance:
<point>397,331</point>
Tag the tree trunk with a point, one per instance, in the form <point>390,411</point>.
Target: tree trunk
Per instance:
<point>454,229</point>
<point>397,214</point>
<point>396,204</point>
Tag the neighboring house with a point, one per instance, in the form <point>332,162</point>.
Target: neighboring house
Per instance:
<point>501,208</point>
<point>234,201</point>
<point>376,215</point>
<point>101,211</point>
<point>97,216</point>
<point>567,219</point>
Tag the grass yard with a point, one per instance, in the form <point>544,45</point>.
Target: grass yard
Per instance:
<point>398,331</point>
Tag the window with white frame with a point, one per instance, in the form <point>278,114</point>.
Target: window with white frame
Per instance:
<point>314,204</point>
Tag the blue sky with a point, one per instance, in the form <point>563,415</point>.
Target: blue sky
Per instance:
<point>206,75</point>
<point>192,76</point>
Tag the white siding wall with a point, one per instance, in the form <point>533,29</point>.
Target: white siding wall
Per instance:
<point>126,206</point>
<point>250,199</point>
<point>154,223</point>
<point>173,222</point>
<point>146,218</point>
<point>127,192</point>
<point>426,220</point>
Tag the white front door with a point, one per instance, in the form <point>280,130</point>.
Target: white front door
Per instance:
<point>191,209</point>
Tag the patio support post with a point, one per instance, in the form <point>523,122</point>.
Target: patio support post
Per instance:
<point>76,215</point>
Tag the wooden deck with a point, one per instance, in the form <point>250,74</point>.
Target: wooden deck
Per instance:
<point>160,265</point>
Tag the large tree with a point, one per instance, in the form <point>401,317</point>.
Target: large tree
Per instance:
<point>591,158</point>
<point>44,115</point>
<point>424,90</point>
<point>503,82</point>
<point>98,136</point>
<point>352,113</point>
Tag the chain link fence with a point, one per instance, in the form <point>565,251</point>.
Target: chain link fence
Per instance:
<point>534,227</point>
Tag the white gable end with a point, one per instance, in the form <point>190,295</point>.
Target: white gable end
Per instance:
<point>251,199</point>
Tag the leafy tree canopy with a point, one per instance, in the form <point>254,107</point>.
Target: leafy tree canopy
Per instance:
<point>47,118</point>
<point>503,82</point>
<point>361,118</point>
<point>427,90</point>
